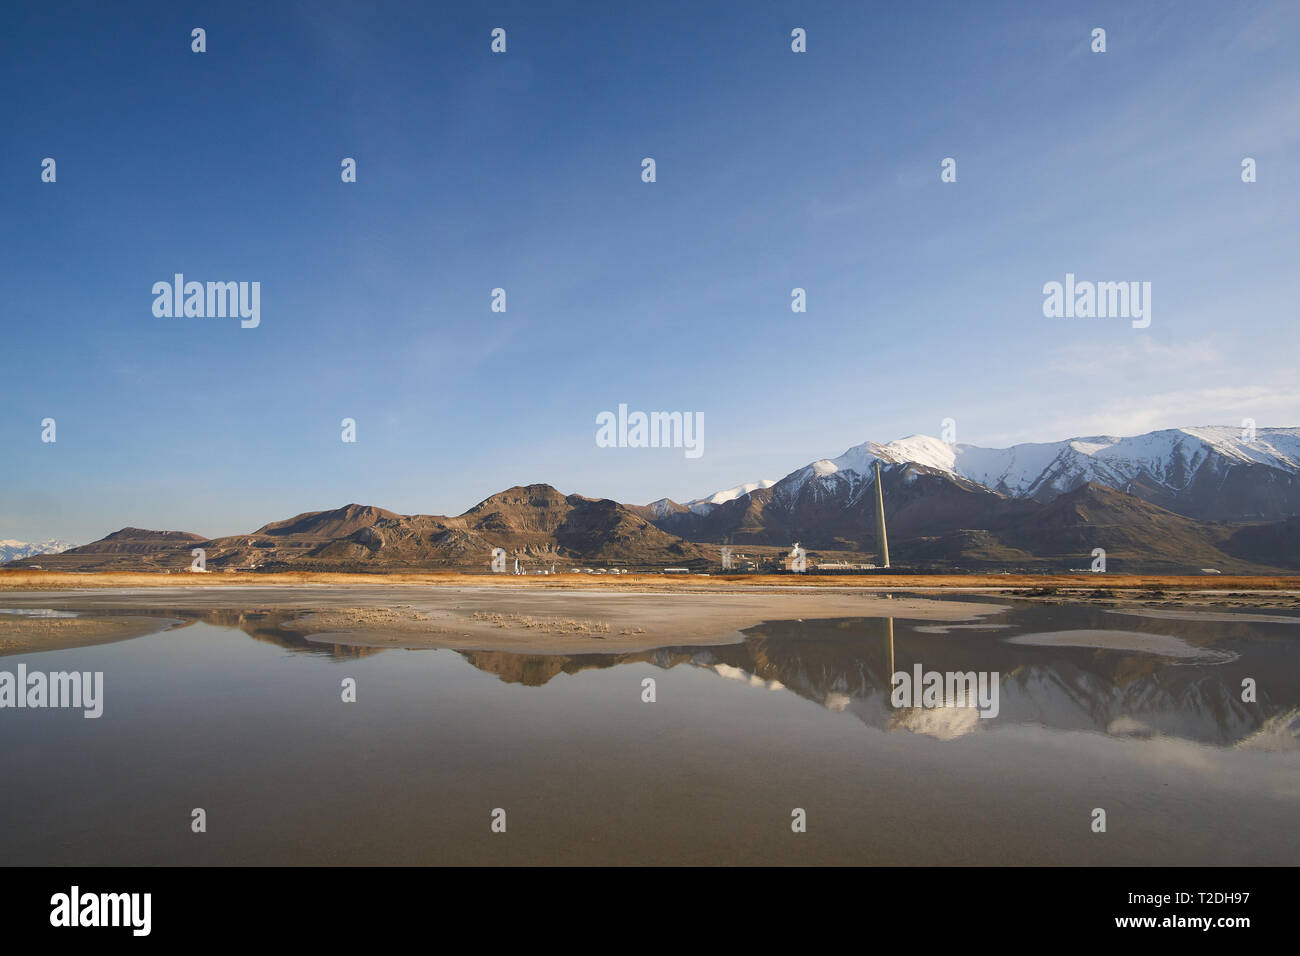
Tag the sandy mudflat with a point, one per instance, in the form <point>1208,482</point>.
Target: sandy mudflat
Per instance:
<point>596,621</point>
<point>547,615</point>
<point>1163,644</point>
<point>28,635</point>
<point>499,618</point>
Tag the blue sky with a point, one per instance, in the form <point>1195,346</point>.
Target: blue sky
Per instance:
<point>775,170</point>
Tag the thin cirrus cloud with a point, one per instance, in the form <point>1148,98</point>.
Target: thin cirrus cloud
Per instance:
<point>1215,405</point>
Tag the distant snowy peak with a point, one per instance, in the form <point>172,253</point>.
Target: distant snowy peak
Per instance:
<point>11,550</point>
<point>1170,459</point>
<point>1211,471</point>
<point>702,506</point>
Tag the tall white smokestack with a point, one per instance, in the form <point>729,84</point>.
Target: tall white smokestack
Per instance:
<point>880,520</point>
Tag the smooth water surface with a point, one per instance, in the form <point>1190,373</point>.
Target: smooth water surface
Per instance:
<point>247,722</point>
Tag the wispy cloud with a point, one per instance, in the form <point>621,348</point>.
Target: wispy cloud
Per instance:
<point>1268,405</point>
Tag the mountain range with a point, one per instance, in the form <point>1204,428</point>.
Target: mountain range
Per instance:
<point>1172,499</point>
<point>1177,500</point>
<point>11,550</point>
<point>1213,473</point>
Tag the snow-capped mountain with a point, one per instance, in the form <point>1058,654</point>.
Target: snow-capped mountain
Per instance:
<point>1212,472</point>
<point>702,506</point>
<point>666,509</point>
<point>1172,500</point>
<point>1191,470</point>
<point>11,550</point>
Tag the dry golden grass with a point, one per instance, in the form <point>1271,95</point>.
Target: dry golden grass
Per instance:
<point>25,580</point>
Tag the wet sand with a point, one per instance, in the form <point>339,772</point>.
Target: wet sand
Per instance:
<point>26,635</point>
<point>1134,641</point>
<point>549,616</point>
<point>490,618</point>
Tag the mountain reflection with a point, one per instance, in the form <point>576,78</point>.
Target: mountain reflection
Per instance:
<point>846,665</point>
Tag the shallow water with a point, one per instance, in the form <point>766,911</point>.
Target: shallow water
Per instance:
<point>254,731</point>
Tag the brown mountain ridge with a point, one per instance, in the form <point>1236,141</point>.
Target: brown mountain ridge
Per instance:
<point>536,523</point>
<point>935,524</point>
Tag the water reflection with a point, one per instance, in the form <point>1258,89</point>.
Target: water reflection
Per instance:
<point>846,665</point>
<point>795,714</point>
